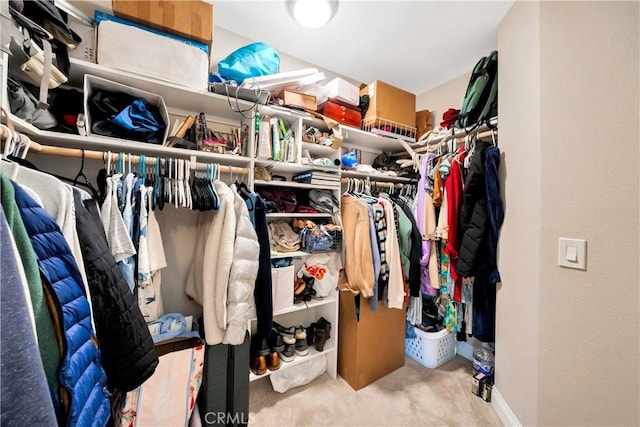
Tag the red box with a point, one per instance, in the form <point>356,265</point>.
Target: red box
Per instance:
<point>349,116</point>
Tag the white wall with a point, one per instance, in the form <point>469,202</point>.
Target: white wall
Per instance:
<point>583,367</point>
<point>441,98</point>
<point>226,42</point>
<point>517,305</point>
<point>589,333</point>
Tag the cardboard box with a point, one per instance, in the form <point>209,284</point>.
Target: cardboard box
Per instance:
<point>189,19</point>
<point>93,83</point>
<point>424,122</point>
<point>370,348</point>
<point>299,100</point>
<point>390,103</point>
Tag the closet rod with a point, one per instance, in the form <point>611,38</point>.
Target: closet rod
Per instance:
<point>433,147</point>
<point>482,131</point>
<point>378,183</point>
<point>102,155</point>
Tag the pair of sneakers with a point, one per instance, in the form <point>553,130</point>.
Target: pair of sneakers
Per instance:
<point>294,340</point>
<point>318,333</point>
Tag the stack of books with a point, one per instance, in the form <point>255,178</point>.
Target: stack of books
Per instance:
<point>317,178</point>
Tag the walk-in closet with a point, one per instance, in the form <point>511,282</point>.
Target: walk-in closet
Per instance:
<point>319,212</point>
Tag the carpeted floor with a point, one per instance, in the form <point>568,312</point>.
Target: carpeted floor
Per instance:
<point>410,396</point>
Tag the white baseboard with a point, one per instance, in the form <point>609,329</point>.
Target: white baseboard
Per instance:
<point>503,410</point>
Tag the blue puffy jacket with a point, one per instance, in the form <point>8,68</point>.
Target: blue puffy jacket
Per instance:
<point>85,396</point>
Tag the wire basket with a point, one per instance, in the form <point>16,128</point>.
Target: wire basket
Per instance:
<point>431,349</point>
<point>320,239</point>
<point>384,127</point>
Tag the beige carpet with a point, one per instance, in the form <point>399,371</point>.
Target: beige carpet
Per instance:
<point>410,396</point>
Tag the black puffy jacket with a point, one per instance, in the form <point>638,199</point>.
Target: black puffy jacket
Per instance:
<point>473,218</point>
<point>128,354</point>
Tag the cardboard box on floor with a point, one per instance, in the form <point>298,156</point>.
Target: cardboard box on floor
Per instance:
<point>190,19</point>
<point>370,348</point>
<point>390,103</point>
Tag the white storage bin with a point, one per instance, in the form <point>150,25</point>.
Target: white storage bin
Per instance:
<point>431,349</point>
<point>282,280</point>
<point>93,83</point>
<point>341,90</point>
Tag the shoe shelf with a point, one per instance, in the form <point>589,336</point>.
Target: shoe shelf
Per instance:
<point>293,184</point>
<point>318,302</point>
<point>313,353</point>
<point>298,215</point>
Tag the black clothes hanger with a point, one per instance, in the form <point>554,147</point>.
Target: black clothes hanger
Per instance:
<point>28,164</point>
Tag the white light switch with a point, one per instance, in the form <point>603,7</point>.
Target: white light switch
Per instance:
<point>572,253</point>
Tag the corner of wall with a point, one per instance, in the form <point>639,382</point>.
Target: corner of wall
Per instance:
<point>517,306</point>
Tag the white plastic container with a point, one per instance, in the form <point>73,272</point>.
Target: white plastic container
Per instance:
<point>282,280</point>
<point>431,349</point>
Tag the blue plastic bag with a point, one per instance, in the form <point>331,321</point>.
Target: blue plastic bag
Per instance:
<point>256,59</point>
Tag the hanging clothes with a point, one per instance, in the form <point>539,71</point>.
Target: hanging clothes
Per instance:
<point>263,286</point>
<point>358,273</point>
<point>22,372</point>
<point>57,200</point>
<point>45,331</point>
<point>208,277</point>
<point>118,238</point>
<point>128,354</point>
<point>242,278</point>
<point>84,399</point>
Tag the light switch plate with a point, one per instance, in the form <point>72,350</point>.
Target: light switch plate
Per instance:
<point>572,253</point>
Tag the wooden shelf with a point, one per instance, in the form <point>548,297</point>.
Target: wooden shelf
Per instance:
<point>293,184</point>
<point>313,353</point>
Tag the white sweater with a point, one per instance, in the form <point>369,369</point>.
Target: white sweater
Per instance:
<point>242,279</point>
<point>208,277</point>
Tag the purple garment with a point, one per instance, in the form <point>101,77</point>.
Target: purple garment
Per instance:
<point>425,284</point>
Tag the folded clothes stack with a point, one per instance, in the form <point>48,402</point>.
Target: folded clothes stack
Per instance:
<point>282,237</point>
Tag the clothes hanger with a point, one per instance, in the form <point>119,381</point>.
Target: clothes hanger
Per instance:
<point>8,143</point>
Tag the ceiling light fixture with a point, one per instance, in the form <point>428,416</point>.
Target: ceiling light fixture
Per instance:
<point>312,13</point>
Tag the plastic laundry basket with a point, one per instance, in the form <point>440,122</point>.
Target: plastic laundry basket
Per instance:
<point>431,349</point>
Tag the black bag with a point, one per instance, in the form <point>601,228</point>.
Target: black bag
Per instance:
<point>481,99</point>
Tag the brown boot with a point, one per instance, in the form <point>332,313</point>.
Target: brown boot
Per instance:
<point>258,365</point>
<point>273,361</point>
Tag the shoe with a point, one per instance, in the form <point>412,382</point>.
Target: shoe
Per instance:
<point>298,289</point>
<point>273,361</point>
<point>289,352</point>
<point>258,365</point>
<point>302,348</point>
<point>259,350</point>
<point>287,334</point>
<point>311,331</point>
<point>322,333</point>
<point>276,344</point>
